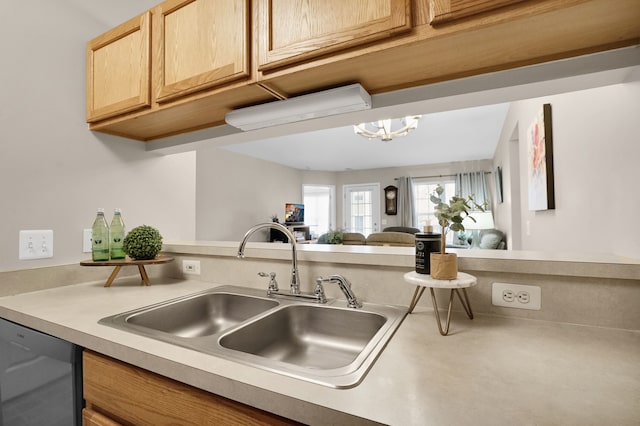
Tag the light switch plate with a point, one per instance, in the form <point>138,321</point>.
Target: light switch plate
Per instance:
<point>191,267</point>
<point>35,244</point>
<point>87,234</point>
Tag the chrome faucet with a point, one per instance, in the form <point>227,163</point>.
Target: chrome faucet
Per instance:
<point>318,294</point>
<point>295,279</point>
<point>273,290</point>
<point>345,286</point>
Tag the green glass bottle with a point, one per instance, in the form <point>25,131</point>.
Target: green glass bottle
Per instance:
<point>100,238</point>
<point>116,233</point>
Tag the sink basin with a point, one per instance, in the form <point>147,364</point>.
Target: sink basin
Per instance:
<point>308,336</point>
<point>328,344</point>
<point>201,315</point>
<point>194,316</point>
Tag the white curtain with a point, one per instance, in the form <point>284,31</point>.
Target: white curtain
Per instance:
<point>473,184</point>
<point>406,207</point>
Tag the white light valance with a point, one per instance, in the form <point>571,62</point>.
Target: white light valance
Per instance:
<point>305,107</point>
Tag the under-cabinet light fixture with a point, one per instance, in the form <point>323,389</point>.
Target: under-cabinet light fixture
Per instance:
<point>305,107</point>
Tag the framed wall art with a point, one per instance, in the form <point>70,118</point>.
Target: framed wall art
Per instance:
<point>540,161</point>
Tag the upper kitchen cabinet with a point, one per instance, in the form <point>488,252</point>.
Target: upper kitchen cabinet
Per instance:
<point>199,44</point>
<point>209,57</point>
<point>294,31</point>
<point>441,11</point>
<point>178,68</point>
<point>448,40</point>
<point>118,69</point>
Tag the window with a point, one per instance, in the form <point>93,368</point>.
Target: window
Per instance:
<point>319,208</point>
<point>423,189</point>
<point>361,208</point>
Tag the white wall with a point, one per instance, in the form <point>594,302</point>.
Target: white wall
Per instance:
<point>235,192</point>
<point>54,172</point>
<point>596,152</point>
<point>506,215</point>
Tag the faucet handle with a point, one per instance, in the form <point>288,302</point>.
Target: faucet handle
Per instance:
<point>319,291</point>
<point>345,286</point>
<point>273,284</point>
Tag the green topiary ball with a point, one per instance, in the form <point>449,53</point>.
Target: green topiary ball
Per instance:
<point>142,243</point>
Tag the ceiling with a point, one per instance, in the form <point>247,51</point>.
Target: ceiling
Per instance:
<point>112,12</point>
<point>442,137</point>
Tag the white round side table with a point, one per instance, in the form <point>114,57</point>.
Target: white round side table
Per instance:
<point>422,281</point>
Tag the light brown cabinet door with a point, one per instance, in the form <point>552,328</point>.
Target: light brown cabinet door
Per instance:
<point>293,31</point>
<point>198,44</point>
<point>115,390</point>
<point>441,11</point>
<point>93,418</point>
<point>118,70</point>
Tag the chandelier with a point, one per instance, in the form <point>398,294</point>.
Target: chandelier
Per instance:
<point>383,129</point>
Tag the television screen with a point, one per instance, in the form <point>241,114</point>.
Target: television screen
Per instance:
<point>293,213</point>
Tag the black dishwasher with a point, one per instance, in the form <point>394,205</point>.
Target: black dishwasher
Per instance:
<point>40,378</point>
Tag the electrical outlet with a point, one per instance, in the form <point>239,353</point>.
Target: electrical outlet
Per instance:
<point>516,296</point>
<point>87,241</point>
<point>36,244</point>
<point>508,295</point>
<point>191,267</point>
<point>523,297</point>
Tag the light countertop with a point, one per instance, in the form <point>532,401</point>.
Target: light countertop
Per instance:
<point>577,264</point>
<point>488,371</point>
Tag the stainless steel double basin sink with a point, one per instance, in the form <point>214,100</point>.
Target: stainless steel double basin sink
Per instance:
<point>328,344</point>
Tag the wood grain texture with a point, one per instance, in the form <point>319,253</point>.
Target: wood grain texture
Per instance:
<point>448,10</point>
<point>135,396</point>
<point>93,418</point>
<point>197,111</point>
<point>505,38</point>
<point>128,261</point>
<point>199,44</point>
<point>119,70</point>
<point>524,33</point>
<point>296,30</point>
<point>420,12</point>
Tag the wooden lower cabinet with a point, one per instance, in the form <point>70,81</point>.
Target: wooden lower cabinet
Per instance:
<point>117,393</point>
<point>93,418</point>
